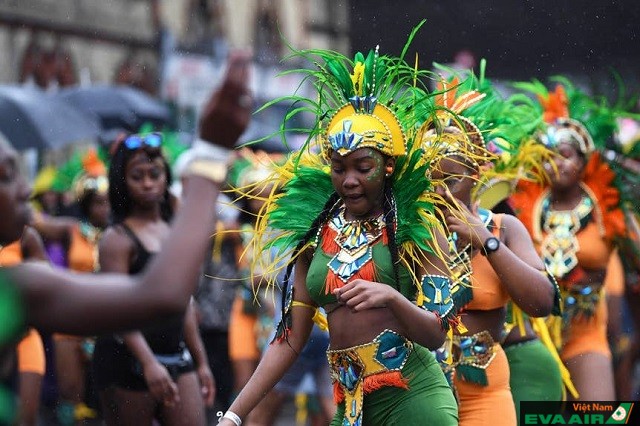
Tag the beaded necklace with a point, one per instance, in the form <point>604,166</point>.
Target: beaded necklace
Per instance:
<point>355,239</point>
<point>560,246</point>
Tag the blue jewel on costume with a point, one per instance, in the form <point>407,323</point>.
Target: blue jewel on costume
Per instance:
<point>345,141</point>
<point>346,265</point>
<point>364,103</point>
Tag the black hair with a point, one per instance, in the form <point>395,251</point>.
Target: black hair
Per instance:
<point>389,214</point>
<point>324,215</point>
<point>121,202</point>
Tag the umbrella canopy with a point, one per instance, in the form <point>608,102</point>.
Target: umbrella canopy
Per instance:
<point>31,119</point>
<point>118,107</point>
<point>265,126</point>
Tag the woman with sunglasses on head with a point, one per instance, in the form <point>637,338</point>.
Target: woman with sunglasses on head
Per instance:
<point>494,256</point>
<point>80,237</point>
<point>574,220</point>
<point>351,216</point>
<point>149,373</point>
<point>56,300</point>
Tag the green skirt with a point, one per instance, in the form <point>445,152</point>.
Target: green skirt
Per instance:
<point>429,399</point>
<point>535,375</point>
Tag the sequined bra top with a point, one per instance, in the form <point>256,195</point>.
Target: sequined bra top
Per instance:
<point>347,250</point>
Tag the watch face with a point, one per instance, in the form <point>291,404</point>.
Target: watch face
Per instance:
<point>492,244</point>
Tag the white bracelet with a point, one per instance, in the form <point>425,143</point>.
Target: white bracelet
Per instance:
<point>203,149</point>
<point>233,417</point>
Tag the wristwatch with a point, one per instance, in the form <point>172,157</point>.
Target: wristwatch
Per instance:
<point>491,244</point>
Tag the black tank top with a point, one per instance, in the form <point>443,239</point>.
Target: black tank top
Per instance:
<point>166,335</point>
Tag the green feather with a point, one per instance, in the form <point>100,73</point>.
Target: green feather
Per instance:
<point>298,207</point>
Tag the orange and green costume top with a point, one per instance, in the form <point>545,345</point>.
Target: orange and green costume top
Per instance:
<point>364,103</point>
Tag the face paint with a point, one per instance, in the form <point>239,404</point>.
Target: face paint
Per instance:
<point>359,180</point>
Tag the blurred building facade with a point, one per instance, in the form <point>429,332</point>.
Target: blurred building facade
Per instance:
<point>54,43</point>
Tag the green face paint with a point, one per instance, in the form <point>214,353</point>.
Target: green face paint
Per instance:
<point>378,169</point>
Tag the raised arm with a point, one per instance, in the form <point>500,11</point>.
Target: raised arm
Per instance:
<point>83,304</point>
<point>53,228</point>
<point>521,270</point>
<point>516,261</point>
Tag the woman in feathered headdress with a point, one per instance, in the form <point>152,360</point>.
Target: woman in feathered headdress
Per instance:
<point>358,225</point>
<point>574,221</point>
<point>495,259</point>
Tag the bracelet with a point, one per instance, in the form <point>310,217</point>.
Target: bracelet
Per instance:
<point>214,171</point>
<point>203,149</point>
<point>233,417</point>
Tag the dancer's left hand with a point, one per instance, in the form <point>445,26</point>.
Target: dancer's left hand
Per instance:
<point>465,222</point>
<point>359,295</point>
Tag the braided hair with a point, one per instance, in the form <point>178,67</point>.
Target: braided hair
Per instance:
<point>389,214</point>
<point>324,215</point>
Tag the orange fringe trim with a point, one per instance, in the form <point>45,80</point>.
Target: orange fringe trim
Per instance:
<point>367,272</point>
<point>328,243</point>
<point>373,383</point>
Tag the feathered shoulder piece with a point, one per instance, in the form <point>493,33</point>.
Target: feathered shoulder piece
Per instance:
<point>523,201</point>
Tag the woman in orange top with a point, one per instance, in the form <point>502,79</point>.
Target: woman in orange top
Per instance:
<point>72,353</point>
<point>573,222</point>
<point>493,254</point>
<point>502,260</point>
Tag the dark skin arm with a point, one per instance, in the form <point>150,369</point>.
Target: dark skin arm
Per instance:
<point>170,279</point>
<point>196,347</point>
<point>279,356</point>
<point>516,261</point>
<point>32,245</point>
<point>54,228</point>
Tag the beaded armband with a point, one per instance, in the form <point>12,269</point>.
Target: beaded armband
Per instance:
<point>284,326</point>
<point>435,295</point>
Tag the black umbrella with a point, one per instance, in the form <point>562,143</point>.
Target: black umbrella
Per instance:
<point>31,119</point>
<point>265,128</point>
<point>118,107</point>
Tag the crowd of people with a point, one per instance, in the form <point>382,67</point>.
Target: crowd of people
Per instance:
<point>435,253</point>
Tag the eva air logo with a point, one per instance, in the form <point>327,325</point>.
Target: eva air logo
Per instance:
<point>621,414</point>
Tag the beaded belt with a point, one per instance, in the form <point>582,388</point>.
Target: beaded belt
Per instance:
<point>472,355</point>
<point>362,369</point>
<point>580,301</point>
